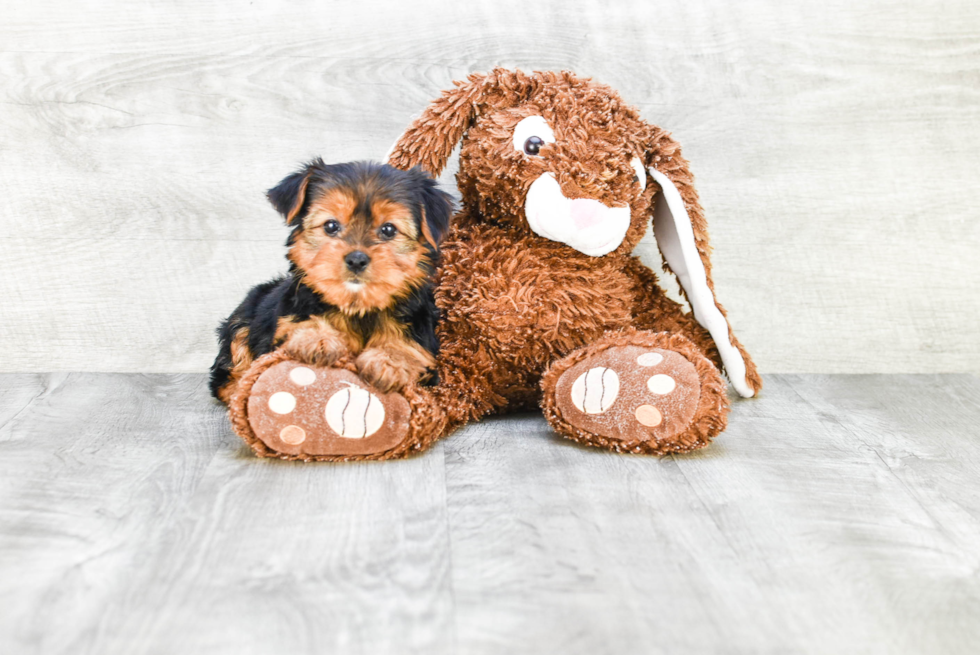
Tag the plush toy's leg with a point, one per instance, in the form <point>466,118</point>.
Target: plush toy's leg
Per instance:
<point>656,312</point>
<point>286,409</point>
<point>636,391</point>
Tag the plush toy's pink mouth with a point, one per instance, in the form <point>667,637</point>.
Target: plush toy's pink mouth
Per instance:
<point>585,224</point>
<point>587,212</point>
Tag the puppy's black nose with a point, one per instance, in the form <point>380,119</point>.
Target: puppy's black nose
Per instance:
<point>357,261</point>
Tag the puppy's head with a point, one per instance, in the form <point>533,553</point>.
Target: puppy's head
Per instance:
<point>364,235</point>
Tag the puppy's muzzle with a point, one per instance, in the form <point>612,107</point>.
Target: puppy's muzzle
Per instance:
<point>357,261</point>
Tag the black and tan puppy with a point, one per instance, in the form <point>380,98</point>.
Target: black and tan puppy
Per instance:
<point>363,247</point>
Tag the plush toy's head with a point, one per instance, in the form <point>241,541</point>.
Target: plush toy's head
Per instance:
<point>549,153</point>
<point>568,163</point>
<point>565,158</point>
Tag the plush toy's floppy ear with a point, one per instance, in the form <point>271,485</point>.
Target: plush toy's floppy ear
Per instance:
<point>436,205</point>
<point>682,236</point>
<point>289,196</point>
<point>430,139</point>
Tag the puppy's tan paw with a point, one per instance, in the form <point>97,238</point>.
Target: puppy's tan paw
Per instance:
<point>387,372</point>
<point>314,349</point>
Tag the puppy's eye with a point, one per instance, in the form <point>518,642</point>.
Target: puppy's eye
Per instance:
<point>387,231</point>
<point>332,227</point>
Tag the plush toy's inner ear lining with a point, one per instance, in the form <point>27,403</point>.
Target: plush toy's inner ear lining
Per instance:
<point>675,238</point>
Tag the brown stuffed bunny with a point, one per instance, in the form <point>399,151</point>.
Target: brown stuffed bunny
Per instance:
<point>542,302</point>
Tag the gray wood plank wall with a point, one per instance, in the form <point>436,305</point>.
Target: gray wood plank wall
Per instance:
<point>835,143</point>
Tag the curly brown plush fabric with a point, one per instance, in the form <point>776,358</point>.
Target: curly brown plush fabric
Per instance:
<point>520,309</point>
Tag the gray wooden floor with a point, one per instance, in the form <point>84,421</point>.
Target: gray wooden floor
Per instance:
<point>838,514</point>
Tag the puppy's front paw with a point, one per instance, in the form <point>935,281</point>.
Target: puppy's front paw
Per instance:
<point>316,349</point>
<point>386,371</point>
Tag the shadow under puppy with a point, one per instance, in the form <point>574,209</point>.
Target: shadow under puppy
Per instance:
<point>362,251</point>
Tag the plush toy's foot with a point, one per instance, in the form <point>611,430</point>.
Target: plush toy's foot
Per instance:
<point>291,410</point>
<point>637,392</point>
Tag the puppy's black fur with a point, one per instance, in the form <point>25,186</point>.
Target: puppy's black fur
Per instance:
<point>289,297</point>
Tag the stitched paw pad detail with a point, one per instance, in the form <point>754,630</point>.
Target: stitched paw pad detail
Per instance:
<point>630,393</point>
<point>594,391</point>
<point>311,410</point>
<point>354,413</point>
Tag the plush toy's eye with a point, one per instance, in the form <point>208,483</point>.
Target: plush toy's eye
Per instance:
<point>641,173</point>
<point>387,231</point>
<point>533,145</point>
<point>531,134</point>
<point>332,227</point>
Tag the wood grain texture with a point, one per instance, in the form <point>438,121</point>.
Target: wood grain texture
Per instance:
<point>835,147</point>
<point>838,514</point>
<point>133,521</point>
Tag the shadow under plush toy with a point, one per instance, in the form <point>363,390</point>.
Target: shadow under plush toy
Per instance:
<point>542,303</point>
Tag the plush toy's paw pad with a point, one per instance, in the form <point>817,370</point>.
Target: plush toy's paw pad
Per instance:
<point>595,390</point>
<point>630,393</point>
<point>309,410</point>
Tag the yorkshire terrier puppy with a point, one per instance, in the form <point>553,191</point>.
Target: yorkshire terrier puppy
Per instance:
<point>362,250</point>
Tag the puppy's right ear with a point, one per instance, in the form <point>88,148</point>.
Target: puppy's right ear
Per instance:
<point>289,196</point>
<point>436,205</point>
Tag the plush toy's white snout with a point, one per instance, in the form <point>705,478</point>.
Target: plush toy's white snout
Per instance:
<point>585,224</point>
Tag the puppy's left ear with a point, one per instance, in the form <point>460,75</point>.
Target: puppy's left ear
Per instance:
<point>436,205</point>
<point>289,196</point>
